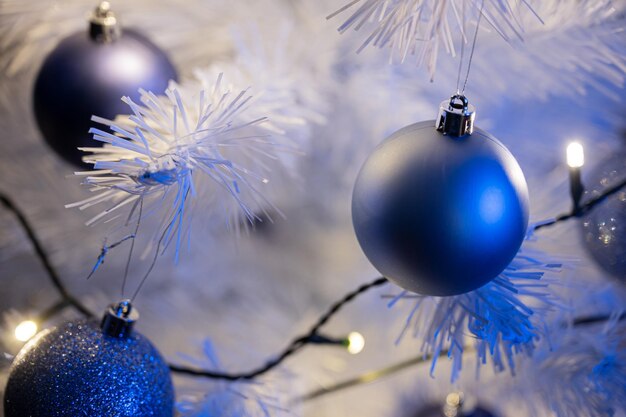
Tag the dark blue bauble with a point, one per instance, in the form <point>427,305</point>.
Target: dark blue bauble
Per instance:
<point>440,215</point>
<point>82,77</point>
<point>604,227</point>
<point>77,370</point>
<point>437,410</point>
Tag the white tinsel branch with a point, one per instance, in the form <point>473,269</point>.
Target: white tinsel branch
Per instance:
<point>497,321</point>
<point>231,399</point>
<point>176,149</point>
<point>583,376</point>
<point>420,27</point>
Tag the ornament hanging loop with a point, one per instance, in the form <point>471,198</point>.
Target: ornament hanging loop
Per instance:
<point>456,116</point>
<point>119,319</point>
<point>103,25</point>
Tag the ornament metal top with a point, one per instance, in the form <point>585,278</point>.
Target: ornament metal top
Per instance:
<point>456,116</point>
<point>103,26</point>
<point>119,319</point>
<point>441,207</point>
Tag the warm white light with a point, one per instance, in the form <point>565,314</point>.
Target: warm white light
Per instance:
<point>454,399</point>
<point>25,330</point>
<point>356,342</point>
<point>575,155</point>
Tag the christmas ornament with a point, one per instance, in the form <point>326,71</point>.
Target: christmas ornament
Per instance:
<point>604,227</point>
<point>455,406</point>
<point>87,74</point>
<point>436,410</point>
<point>441,208</point>
<point>80,368</point>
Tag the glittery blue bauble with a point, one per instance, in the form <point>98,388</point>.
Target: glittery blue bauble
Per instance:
<point>604,227</point>
<point>76,370</point>
<point>82,77</point>
<point>440,215</point>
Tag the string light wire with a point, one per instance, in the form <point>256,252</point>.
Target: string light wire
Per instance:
<point>43,257</point>
<point>372,376</point>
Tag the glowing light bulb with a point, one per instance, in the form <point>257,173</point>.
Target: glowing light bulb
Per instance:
<point>454,399</point>
<point>356,342</point>
<point>25,330</point>
<point>575,155</point>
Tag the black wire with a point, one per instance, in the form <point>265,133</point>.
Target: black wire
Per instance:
<point>586,207</point>
<point>297,344</point>
<point>43,257</point>
<point>52,311</point>
<point>600,318</point>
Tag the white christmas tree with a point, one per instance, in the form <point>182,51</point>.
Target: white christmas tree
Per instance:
<point>244,168</point>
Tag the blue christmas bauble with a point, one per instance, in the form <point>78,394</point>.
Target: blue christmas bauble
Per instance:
<point>83,77</point>
<point>77,370</point>
<point>604,227</point>
<point>437,410</point>
<point>437,214</point>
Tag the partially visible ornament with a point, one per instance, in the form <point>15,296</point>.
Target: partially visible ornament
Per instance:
<point>441,208</point>
<point>436,410</point>
<point>604,227</point>
<point>455,406</point>
<point>81,368</point>
<point>88,74</point>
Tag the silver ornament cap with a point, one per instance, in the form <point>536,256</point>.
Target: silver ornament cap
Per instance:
<point>456,116</point>
<point>103,25</point>
<point>119,319</point>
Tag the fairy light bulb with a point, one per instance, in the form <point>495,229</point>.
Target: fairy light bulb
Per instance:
<point>575,160</point>
<point>356,343</point>
<point>575,155</point>
<point>25,330</point>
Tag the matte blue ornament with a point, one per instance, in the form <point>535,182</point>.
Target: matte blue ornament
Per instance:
<point>88,74</point>
<point>604,227</point>
<point>81,369</point>
<point>441,212</point>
